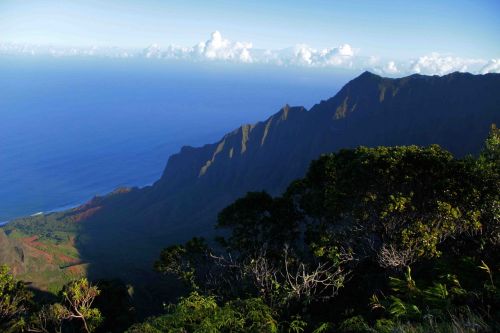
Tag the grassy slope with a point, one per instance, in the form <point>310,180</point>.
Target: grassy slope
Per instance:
<point>47,254</point>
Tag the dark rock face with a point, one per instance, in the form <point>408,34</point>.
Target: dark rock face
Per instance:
<point>130,227</point>
<point>454,111</point>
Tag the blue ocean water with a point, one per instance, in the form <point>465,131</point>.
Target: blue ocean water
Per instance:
<point>72,128</point>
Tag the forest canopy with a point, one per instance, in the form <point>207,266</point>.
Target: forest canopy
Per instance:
<point>371,239</point>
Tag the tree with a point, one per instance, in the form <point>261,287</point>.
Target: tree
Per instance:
<point>50,318</point>
<point>350,229</point>
<point>79,296</point>
<point>488,165</point>
<point>15,301</point>
<point>197,313</point>
<point>491,149</point>
<point>77,299</point>
<point>259,221</point>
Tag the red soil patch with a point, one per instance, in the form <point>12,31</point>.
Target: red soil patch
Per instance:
<point>32,241</point>
<point>86,214</point>
<point>76,270</point>
<point>38,248</point>
<point>66,259</point>
<point>38,245</point>
<point>31,244</point>
<point>29,239</point>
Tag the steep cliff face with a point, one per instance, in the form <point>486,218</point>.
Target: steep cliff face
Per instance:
<point>124,232</point>
<point>454,111</point>
<point>240,157</point>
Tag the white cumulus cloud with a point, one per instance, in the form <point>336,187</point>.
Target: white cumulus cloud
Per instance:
<point>391,68</point>
<point>493,66</point>
<point>215,48</point>
<point>218,48</point>
<point>342,56</point>
<point>304,55</point>
<point>435,63</point>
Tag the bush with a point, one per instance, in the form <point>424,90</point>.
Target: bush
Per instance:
<point>384,326</point>
<point>355,324</point>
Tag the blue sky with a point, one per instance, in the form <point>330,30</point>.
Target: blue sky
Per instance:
<point>388,37</point>
<point>385,28</point>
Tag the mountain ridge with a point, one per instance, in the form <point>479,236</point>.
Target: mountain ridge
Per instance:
<point>454,111</point>
<point>366,88</point>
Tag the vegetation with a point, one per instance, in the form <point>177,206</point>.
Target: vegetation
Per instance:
<point>19,312</point>
<point>197,313</point>
<point>387,239</point>
<point>15,301</point>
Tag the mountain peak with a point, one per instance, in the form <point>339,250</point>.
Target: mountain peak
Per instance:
<point>369,110</point>
<point>368,75</point>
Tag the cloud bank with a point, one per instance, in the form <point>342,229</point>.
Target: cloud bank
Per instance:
<point>221,49</point>
<point>217,48</point>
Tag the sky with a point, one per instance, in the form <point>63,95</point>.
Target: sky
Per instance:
<point>465,33</point>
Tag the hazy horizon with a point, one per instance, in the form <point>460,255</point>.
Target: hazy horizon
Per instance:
<point>73,128</point>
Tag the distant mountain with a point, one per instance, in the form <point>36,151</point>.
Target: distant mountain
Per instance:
<point>454,111</point>
<point>122,233</point>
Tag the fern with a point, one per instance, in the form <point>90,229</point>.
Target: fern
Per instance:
<point>324,327</point>
<point>488,270</point>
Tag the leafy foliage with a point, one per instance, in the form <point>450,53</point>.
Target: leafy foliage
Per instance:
<point>197,313</point>
<point>15,301</point>
<point>74,313</point>
<point>352,228</point>
<point>79,296</point>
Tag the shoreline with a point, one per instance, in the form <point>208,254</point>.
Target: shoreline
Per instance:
<point>50,211</point>
<point>66,207</point>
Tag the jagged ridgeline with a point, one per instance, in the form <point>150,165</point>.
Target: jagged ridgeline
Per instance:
<point>120,235</point>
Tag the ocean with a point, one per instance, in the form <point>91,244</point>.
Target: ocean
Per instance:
<point>72,128</point>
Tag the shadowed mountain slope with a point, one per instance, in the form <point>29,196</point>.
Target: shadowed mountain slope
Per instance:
<point>454,111</point>
<point>122,233</point>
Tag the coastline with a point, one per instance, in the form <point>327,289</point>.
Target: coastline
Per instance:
<point>67,206</point>
<point>55,210</point>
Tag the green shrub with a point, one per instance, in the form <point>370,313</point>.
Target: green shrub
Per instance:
<point>384,326</point>
<point>355,324</point>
